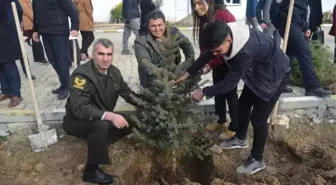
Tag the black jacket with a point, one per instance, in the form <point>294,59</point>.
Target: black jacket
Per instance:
<point>299,17</point>
<point>130,9</point>
<point>316,14</point>
<point>51,16</point>
<point>9,44</point>
<point>255,58</point>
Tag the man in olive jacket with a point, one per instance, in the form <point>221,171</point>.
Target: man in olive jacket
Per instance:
<point>149,46</point>
<point>94,90</point>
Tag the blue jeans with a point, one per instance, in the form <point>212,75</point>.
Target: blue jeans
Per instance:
<point>297,47</point>
<point>131,25</point>
<point>10,79</point>
<point>56,47</point>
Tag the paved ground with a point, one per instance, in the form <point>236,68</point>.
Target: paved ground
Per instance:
<point>47,80</point>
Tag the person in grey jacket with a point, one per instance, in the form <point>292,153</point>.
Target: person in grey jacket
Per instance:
<point>149,46</point>
<point>264,20</point>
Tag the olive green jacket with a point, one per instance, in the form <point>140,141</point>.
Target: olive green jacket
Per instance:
<point>89,99</point>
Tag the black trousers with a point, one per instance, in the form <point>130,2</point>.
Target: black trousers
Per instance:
<point>230,97</point>
<point>88,38</point>
<point>260,112</point>
<point>99,135</point>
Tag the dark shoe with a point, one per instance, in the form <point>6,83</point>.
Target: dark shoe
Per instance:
<point>56,91</point>
<point>126,52</point>
<point>63,95</point>
<point>15,100</point>
<point>98,177</point>
<point>287,90</point>
<point>3,97</point>
<point>319,92</point>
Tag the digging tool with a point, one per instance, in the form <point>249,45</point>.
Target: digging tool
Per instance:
<point>284,48</point>
<point>74,52</point>
<point>44,139</point>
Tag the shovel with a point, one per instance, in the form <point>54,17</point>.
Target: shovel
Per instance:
<point>284,48</point>
<point>44,139</point>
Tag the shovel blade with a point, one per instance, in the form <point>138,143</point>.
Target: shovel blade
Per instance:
<point>38,145</point>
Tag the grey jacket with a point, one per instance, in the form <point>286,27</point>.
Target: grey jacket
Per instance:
<point>146,48</point>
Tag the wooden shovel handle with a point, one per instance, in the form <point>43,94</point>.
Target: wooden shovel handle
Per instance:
<point>284,47</point>
<point>26,64</point>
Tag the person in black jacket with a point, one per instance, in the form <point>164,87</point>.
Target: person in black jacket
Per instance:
<point>146,6</point>
<point>131,16</point>
<point>259,61</point>
<point>315,18</point>
<point>10,51</point>
<point>51,21</point>
<point>297,44</point>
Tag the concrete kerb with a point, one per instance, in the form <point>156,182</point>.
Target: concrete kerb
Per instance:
<point>56,114</point>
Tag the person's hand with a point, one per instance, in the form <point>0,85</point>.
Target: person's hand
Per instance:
<point>307,33</point>
<point>36,37</point>
<point>198,95</point>
<point>74,33</point>
<point>207,68</point>
<point>28,40</point>
<point>263,25</point>
<point>117,120</point>
<point>181,78</point>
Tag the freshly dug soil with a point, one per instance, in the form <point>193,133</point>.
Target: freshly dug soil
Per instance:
<point>301,155</point>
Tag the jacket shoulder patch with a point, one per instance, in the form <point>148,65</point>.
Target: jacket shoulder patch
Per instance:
<point>79,83</point>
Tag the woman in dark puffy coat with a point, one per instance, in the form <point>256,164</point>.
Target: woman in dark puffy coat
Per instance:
<point>333,31</point>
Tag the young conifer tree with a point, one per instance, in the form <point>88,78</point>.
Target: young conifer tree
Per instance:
<point>169,118</point>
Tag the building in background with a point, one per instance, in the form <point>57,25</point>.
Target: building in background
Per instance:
<point>174,10</point>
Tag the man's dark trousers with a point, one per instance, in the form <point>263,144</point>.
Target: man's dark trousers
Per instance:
<point>56,47</point>
<point>99,135</point>
<point>297,47</point>
<point>10,81</point>
<point>261,110</point>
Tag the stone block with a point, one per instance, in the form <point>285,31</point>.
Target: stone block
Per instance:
<point>299,102</point>
<point>330,101</point>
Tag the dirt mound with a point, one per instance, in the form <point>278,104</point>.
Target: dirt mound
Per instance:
<point>301,155</point>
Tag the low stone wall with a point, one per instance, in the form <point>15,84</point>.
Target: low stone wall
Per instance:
<point>315,110</point>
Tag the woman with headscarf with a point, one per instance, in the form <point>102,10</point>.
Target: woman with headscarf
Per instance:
<point>205,11</point>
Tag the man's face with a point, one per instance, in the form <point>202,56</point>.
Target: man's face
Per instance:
<point>224,47</point>
<point>103,57</point>
<point>201,7</point>
<point>157,27</point>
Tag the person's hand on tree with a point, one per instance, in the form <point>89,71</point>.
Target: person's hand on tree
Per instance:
<point>36,37</point>
<point>197,95</point>
<point>117,120</point>
<point>181,78</point>
<point>207,68</point>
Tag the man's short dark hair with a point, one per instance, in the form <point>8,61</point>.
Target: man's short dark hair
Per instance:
<point>156,14</point>
<point>214,34</point>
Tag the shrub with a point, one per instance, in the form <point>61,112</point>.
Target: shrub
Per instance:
<point>116,12</point>
<point>323,64</point>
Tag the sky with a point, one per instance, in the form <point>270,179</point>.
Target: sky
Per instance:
<point>328,5</point>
